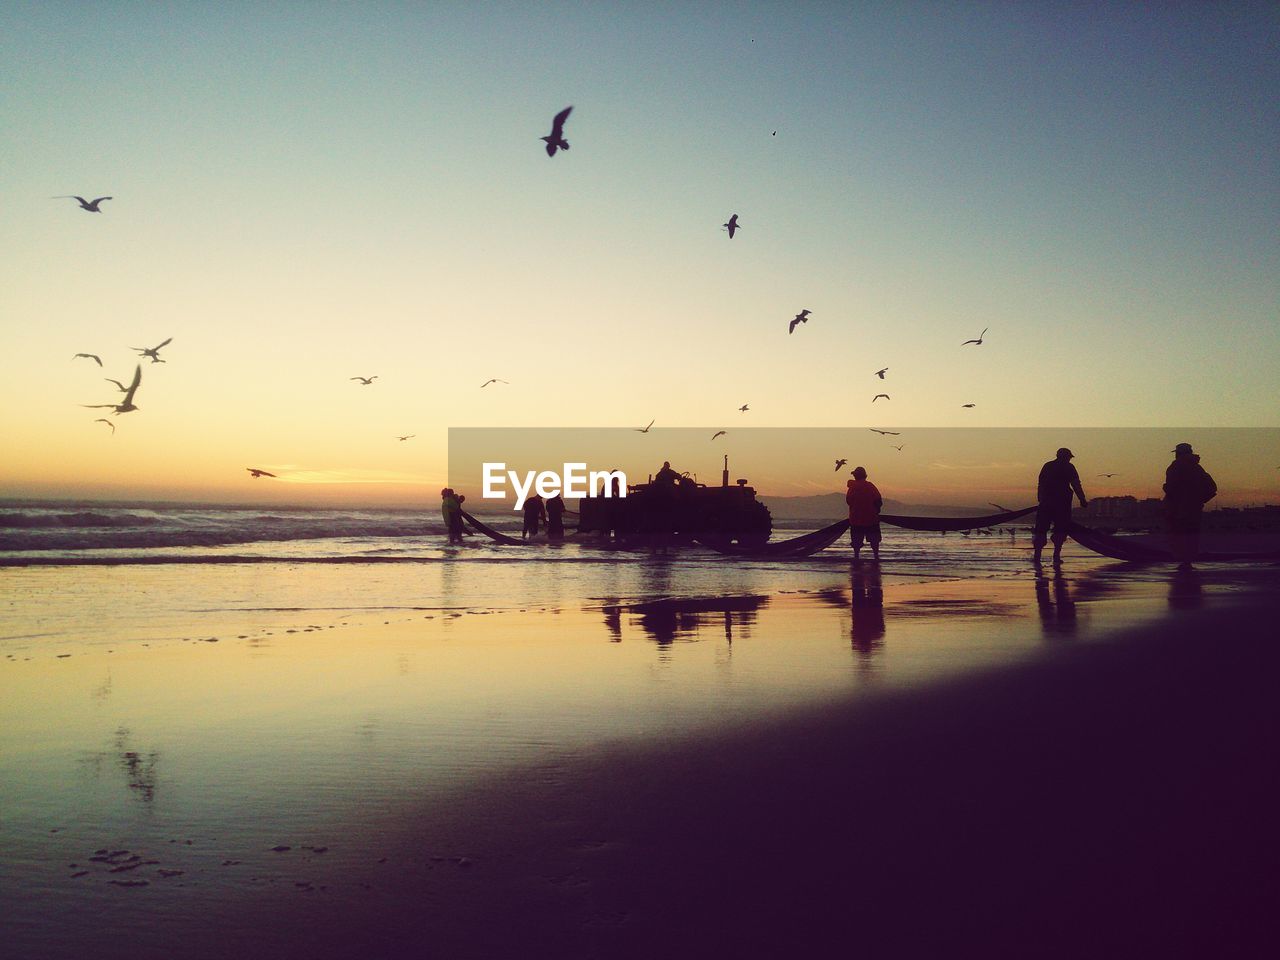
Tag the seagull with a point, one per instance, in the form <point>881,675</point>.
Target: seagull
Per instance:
<point>839,464</point>
<point>719,433</point>
<point>255,473</point>
<point>364,381</point>
<point>92,356</point>
<point>1108,474</point>
<point>409,437</point>
<point>644,430</point>
<point>1000,508</point>
<point>879,395</point>
<point>556,140</point>
<point>107,422</point>
<point>887,433</point>
<point>90,205</point>
<point>126,405</point>
<point>898,446</point>
<point>494,380</point>
<point>881,373</point>
<point>744,408</point>
<point>732,225</point>
<point>968,405</point>
<point>153,352</point>
<point>801,317</point>
<point>980,336</point>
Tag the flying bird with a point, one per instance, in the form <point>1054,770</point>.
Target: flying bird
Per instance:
<point>744,408</point>
<point>153,352</point>
<point>255,473</point>
<point>408,437</point>
<point>90,205</point>
<point>643,430</point>
<point>839,464</point>
<point>968,405</point>
<point>364,381</point>
<point>1108,474</point>
<point>126,405</point>
<point>898,446</point>
<point>879,395</point>
<point>92,356</point>
<point>556,140</point>
<point>494,380</point>
<point>719,433</point>
<point>732,225</point>
<point>801,317</point>
<point>881,373</point>
<point>980,336</point>
<point>887,433</point>
<point>107,422</point>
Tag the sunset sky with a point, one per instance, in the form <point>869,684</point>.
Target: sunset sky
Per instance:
<point>306,192</point>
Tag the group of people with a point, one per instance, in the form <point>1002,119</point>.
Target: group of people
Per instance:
<point>538,511</point>
<point>1187,488</point>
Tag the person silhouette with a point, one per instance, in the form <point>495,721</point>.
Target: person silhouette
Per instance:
<point>1058,480</point>
<point>1187,488</point>
<point>451,510</point>
<point>534,511</point>
<point>864,502</point>
<point>555,518</point>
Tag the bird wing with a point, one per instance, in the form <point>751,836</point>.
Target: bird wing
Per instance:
<point>165,344</point>
<point>98,406</point>
<point>557,125</point>
<point>792,327</point>
<point>133,386</point>
<point>122,387</point>
<point>651,422</point>
<point>718,433</point>
<point>99,200</point>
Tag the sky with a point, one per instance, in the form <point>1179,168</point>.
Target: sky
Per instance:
<point>305,193</point>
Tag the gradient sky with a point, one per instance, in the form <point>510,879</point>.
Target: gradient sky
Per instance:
<point>308,192</point>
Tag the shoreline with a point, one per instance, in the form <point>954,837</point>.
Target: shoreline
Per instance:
<point>1040,805</point>
<point>1114,799</point>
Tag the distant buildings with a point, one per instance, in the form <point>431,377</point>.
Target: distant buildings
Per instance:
<point>1132,513</point>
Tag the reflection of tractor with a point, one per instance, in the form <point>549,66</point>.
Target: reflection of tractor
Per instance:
<point>679,506</point>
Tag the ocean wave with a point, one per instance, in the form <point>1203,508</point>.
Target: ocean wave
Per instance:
<point>37,520</point>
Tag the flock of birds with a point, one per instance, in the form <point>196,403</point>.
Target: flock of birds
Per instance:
<point>554,142</point>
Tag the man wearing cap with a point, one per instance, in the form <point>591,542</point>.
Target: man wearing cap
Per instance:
<point>1058,480</point>
<point>864,502</point>
<point>1187,488</point>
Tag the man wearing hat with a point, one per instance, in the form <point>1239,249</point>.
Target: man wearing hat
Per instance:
<point>1058,480</point>
<point>1187,488</point>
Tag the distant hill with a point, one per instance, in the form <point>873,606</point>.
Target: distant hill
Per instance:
<point>831,506</point>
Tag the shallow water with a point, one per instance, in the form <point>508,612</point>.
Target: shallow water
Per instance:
<point>188,719</point>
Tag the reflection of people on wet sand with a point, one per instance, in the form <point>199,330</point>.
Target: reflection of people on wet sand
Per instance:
<point>1058,480</point>
<point>864,513</point>
<point>555,518</point>
<point>1185,590</point>
<point>1187,488</point>
<point>1057,612</point>
<point>534,511</point>
<point>866,629</point>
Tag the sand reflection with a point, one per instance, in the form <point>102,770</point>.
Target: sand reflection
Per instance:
<point>683,618</point>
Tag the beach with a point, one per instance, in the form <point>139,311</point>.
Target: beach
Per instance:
<point>907,761</point>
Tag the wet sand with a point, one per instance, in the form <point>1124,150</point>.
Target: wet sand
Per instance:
<point>1111,799</point>
<point>1082,767</point>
